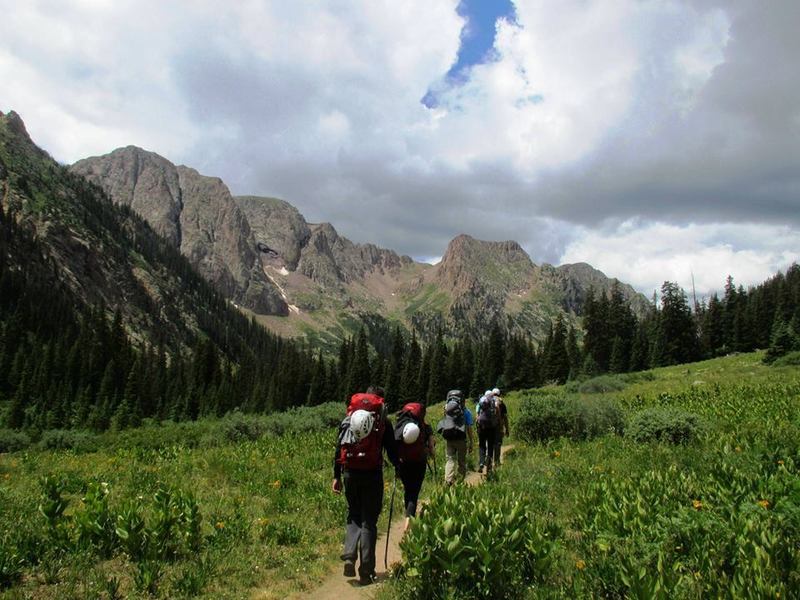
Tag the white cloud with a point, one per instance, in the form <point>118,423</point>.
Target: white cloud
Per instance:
<point>647,254</point>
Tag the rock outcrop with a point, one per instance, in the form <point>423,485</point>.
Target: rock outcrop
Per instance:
<point>197,214</point>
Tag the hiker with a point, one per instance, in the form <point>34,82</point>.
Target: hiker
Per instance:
<point>456,429</point>
<point>364,435</point>
<point>502,427</point>
<point>415,443</point>
<point>488,422</point>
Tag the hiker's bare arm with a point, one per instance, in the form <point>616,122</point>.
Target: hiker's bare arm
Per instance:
<point>337,486</point>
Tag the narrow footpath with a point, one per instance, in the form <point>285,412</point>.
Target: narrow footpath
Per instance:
<point>338,587</point>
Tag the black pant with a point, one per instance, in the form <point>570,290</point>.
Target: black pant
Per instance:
<point>412,475</point>
<point>498,445</point>
<point>486,442</point>
<point>364,493</point>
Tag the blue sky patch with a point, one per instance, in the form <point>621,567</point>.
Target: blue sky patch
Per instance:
<point>477,40</point>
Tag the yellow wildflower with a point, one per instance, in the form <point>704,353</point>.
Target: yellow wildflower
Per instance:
<point>220,525</point>
<point>763,503</point>
<point>697,504</point>
<point>556,453</point>
<point>738,449</point>
<point>276,484</point>
<point>580,565</point>
<point>780,462</point>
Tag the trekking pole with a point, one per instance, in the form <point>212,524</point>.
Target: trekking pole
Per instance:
<point>389,527</point>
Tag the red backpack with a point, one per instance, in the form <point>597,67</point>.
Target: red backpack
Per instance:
<point>365,454</point>
<point>413,412</point>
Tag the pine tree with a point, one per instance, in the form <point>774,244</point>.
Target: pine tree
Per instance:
<point>556,359</point>
<point>678,333</point>
<point>410,390</point>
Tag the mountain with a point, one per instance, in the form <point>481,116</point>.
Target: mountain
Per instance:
<point>196,214</point>
<point>301,278</point>
<point>68,236</point>
<point>103,322</point>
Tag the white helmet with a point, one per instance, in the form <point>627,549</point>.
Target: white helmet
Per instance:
<point>488,393</point>
<point>410,433</point>
<point>496,391</point>
<point>361,422</point>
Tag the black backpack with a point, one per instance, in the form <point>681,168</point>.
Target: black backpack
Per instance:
<point>487,412</point>
<point>454,424</point>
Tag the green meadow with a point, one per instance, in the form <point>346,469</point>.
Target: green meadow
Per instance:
<point>679,482</point>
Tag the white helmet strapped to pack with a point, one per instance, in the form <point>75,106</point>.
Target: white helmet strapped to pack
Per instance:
<point>410,433</point>
<point>361,423</point>
<point>496,392</point>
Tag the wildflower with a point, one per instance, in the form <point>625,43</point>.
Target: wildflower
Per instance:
<point>556,453</point>
<point>276,484</point>
<point>697,575</point>
<point>780,462</point>
<point>697,504</point>
<point>220,525</point>
<point>580,565</point>
<point>763,503</point>
<point>738,448</point>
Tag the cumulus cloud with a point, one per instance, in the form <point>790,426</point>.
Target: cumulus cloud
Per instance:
<point>647,254</point>
<point>588,123</point>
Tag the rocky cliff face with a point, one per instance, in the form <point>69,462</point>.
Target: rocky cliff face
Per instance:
<point>70,238</point>
<point>197,214</point>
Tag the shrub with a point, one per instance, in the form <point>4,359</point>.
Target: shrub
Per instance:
<point>12,441</point>
<point>10,565</point>
<point>601,385</point>
<point>65,439</point>
<point>664,424</point>
<point>552,417</point>
<point>475,543</point>
<point>792,359</point>
<point>239,427</point>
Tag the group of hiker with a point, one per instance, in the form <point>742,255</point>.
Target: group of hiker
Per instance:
<point>366,434</point>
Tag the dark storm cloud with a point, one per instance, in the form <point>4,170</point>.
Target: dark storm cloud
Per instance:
<point>735,156</point>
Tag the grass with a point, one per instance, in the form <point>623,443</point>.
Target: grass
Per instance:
<point>709,510</point>
<point>719,516</point>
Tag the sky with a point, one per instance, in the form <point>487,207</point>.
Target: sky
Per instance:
<point>655,140</point>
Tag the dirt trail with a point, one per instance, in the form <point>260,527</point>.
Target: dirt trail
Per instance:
<point>338,587</point>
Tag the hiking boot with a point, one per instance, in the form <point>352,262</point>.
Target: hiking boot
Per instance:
<point>480,468</point>
<point>367,579</point>
<point>349,568</point>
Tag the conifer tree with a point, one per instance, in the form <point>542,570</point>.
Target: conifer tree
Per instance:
<point>410,390</point>
<point>677,327</point>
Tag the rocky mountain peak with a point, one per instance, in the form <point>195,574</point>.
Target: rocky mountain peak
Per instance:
<point>493,265</point>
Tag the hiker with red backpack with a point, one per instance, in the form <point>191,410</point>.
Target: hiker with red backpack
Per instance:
<point>415,443</point>
<point>364,435</point>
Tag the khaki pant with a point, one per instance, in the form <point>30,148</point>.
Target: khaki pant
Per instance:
<point>456,454</point>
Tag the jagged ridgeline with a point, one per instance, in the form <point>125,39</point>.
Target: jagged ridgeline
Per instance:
<point>304,279</point>
<point>103,322</point>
